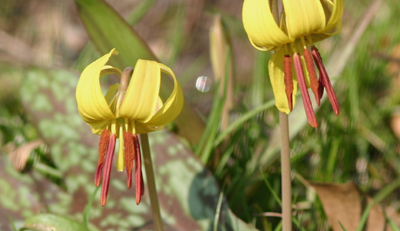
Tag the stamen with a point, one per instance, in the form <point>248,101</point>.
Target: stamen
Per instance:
<point>107,170</point>
<point>104,140</point>
<point>320,89</point>
<point>304,93</point>
<point>313,75</point>
<point>287,70</point>
<point>97,177</point>
<point>324,78</point>
<point>129,156</point>
<point>138,170</point>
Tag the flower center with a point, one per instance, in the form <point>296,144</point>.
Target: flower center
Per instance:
<point>303,57</point>
<point>129,148</point>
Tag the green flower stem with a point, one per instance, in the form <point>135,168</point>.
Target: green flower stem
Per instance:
<point>285,169</point>
<point>151,184</point>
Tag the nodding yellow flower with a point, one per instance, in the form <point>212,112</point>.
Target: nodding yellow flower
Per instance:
<point>130,107</point>
<point>290,28</point>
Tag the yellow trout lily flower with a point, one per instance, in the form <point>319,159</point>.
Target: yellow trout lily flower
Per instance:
<point>291,33</point>
<point>129,108</point>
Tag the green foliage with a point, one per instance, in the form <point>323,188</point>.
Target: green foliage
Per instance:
<point>108,30</point>
<point>358,146</point>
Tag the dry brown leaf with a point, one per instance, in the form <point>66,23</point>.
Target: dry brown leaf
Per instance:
<point>395,124</point>
<point>391,212</point>
<point>19,156</point>
<point>394,63</point>
<point>343,203</point>
<point>393,68</point>
<point>376,219</point>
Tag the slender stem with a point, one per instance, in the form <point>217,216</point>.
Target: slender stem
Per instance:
<point>286,178</point>
<point>151,184</point>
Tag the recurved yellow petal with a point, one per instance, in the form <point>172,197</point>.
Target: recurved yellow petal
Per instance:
<point>110,95</point>
<point>145,128</point>
<point>172,107</point>
<point>107,69</point>
<point>276,75</point>
<point>334,23</point>
<point>98,127</point>
<point>142,95</point>
<point>303,17</point>
<point>261,27</point>
<point>92,105</point>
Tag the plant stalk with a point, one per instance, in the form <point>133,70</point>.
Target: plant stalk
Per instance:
<point>286,176</point>
<point>151,184</point>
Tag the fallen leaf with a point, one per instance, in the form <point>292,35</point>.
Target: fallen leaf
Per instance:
<point>19,156</point>
<point>344,204</point>
<point>341,202</point>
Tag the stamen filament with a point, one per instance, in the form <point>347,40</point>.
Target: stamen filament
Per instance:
<point>138,170</point>
<point>107,170</point>
<point>304,93</point>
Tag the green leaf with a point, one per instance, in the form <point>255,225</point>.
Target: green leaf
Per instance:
<point>107,30</point>
<point>46,222</point>
<point>342,226</point>
<point>140,10</point>
<point>392,224</point>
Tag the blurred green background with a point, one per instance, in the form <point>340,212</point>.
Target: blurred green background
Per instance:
<point>48,156</point>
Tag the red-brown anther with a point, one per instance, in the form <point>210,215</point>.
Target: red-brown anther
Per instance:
<point>304,93</point>
<point>287,70</point>
<point>138,170</point>
<point>129,155</point>
<point>107,170</point>
<point>320,89</point>
<point>314,83</point>
<point>324,78</point>
<point>104,140</point>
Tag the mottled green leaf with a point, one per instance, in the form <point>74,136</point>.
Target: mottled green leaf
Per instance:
<point>50,222</point>
<point>187,191</point>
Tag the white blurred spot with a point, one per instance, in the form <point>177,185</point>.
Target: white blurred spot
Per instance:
<point>203,83</point>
